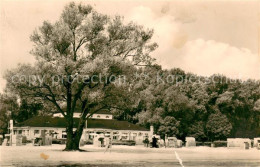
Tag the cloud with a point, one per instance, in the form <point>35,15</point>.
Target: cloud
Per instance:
<point>203,57</point>
<point>185,16</point>
<point>167,32</point>
<point>210,57</point>
<point>180,44</point>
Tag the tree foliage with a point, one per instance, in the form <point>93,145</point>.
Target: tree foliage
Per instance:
<point>17,110</point>
<point>80,59</point>
<point>218,127</point>
<point>207,108</point>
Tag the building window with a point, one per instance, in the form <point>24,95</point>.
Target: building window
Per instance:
<point>36,132</point>
<point>107,116</point>
<point>98,116</point>
<point>124,137</point>
<point>43,131</point>
<point>91,137</point>
<point>27,133</point>
<point>115,133</point>
<point>51,132</point>
<point>19,132</point>
<point>115,137</point>
<point>64,134</point>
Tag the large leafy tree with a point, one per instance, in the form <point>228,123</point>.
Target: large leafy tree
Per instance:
<point>169,126</point>
<point>80,61</point>
<point>8,107</point>
<point>18,110</point>
<point>218,126</point>
<point>28,109</point>
<point>197,130</point>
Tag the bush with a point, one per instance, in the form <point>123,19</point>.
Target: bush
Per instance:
<point>207,144</point>
<point>58,141</point>
<point>124,142</point>
<point>28,141</point>
<point>199,143</point>
<point>220,143</point>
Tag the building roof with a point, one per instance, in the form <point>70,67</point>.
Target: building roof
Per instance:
<point>57,122</point>
<point>98,112</point>
<point>113,124</point>
<point>103,112</point>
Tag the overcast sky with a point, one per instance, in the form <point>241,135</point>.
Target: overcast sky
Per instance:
<point>202,37</point>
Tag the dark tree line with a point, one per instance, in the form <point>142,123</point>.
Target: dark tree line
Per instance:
<point>18,110</point>
<point>208,108</point>
<point>208,111</point>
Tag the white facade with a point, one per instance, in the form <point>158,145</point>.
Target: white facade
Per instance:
<point>94,116</point>
<point>88,133</point>
<point>101,116</point>
<point>137,136</point>
<point>256,141</point>
<point>33,132</point>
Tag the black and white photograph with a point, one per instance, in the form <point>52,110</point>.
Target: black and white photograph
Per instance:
<point>130,83</point>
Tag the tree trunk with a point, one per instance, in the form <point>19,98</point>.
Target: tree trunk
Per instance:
<point>71,143</point>
<point>73,138</point>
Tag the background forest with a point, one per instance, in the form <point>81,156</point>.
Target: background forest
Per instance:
<point>176,103</point>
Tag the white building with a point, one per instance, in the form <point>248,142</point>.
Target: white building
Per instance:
<point>100,123</point>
